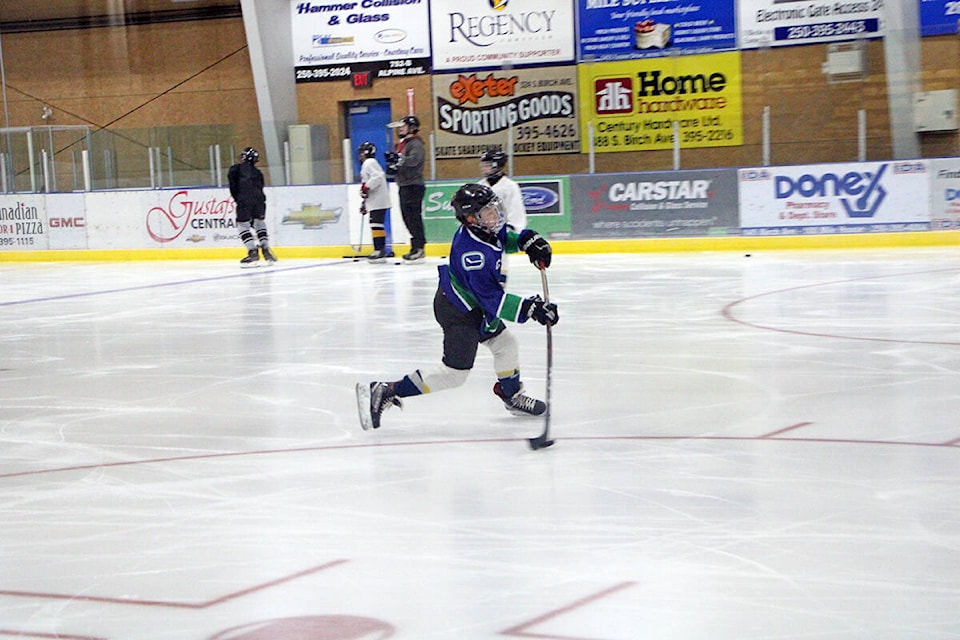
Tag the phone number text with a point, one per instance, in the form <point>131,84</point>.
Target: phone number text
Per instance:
<point>534,132</point>
<point>827,30</point>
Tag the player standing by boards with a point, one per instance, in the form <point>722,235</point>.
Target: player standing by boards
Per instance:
<point>246,187</point>
<point>492,163</point>
<point>470,305</point>
<point>376,198</point>
<point>406,165</point>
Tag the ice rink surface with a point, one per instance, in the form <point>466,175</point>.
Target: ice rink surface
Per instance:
<point>748,448</point>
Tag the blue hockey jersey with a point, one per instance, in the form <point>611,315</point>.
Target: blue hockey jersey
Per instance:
<point>476,278</point>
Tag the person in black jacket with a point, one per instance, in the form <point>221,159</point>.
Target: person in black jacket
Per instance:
<point>406,165</point>
<point>246,187</point>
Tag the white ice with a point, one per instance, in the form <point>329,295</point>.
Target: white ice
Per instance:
<point>748,448</point>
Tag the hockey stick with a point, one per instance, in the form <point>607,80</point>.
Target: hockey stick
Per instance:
<point>543,440</point>
<point>363,216</point>
<point>359,249</point>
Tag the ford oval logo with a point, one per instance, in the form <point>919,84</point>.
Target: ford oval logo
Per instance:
<point>389,36</point>
<point>538,198</point>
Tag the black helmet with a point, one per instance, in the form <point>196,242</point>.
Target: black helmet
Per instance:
<point>495,160</point>
<point>250,155</point>
<point>412,122</point>
<point>470,200</point>
<point>367,150</point>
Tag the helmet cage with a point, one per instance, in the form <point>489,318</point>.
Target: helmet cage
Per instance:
<point>491,217</point>
<point>478,207</point>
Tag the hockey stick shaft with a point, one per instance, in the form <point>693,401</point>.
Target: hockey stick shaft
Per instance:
<point>546,298</point>
<point>363,217</point>
<point>543,440</point>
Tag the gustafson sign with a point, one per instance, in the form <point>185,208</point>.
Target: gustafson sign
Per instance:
<point>191,214</point>
<point>873,194</point>
<point>647,104</point>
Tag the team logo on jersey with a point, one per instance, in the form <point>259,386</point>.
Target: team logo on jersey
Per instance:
<point>472,261</point>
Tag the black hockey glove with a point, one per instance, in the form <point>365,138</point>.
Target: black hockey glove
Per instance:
<point>393,162</point>
<point>538,249</point>
<point>543,312</point>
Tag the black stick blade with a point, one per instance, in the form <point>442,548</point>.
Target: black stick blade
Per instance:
<point>540,442</point>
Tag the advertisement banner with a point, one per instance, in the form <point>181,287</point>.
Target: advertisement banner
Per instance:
<point>634,205</point>
<point>939,17</point>
<point>634,104</point>
<point>23,222</point>
<point>66,221</point>
<point>545,199</point>
<point>632,29</point>
<point>854,198</point>
<point>480,34</point>
<point>334,40</point>
<point>774,23</point>
<point>161,218</point>
<point>945,194</point>
<point>537,108</point>
<point>308,216</point>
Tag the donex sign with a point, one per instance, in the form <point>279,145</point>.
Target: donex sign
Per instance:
<point>888,196</point>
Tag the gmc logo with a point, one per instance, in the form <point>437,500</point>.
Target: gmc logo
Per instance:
<point>67,223</point>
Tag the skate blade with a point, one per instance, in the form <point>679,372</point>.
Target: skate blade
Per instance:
<point>363,406</point>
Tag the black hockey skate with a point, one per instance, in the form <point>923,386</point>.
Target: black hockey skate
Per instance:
<point>372,400</point>
<point>268,254</point>
<point>520,404</point>
<point>252,259</point>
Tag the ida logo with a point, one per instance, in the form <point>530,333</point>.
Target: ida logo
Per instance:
<point>613,95</point>
<point>748,175</point>
<point>909,167</point>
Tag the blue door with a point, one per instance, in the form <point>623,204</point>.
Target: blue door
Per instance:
<point>368,120</point>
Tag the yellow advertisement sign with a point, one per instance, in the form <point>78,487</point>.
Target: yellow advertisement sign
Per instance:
<point>633,104</point>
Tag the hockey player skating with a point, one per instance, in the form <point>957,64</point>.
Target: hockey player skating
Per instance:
<point>246,187</point>
<point>470,305</point>
<point>375,192</point>
<point>492,163</point>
